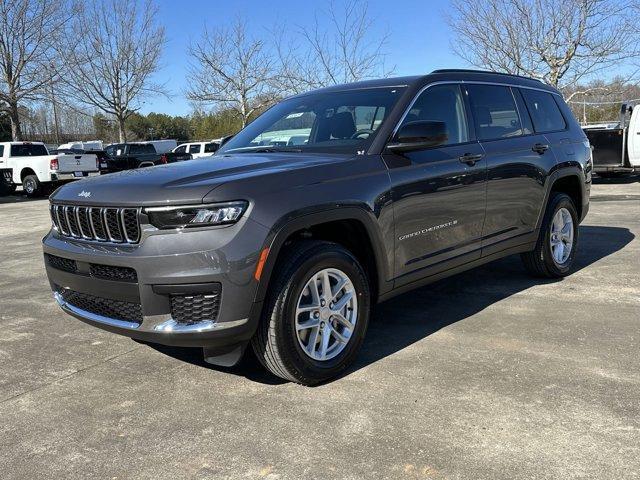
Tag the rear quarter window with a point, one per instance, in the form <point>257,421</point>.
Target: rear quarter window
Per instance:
<point>138,149</point>
<point>544,111</point>
<point>28,150</point>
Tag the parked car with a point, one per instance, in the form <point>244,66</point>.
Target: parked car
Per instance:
<point>197,149</point>
<point>400,182</point>
<point>616,145</point>
<point>29,164</point>
<point>127,156</point>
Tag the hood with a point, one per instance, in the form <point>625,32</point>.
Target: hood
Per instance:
<point>181,183</point>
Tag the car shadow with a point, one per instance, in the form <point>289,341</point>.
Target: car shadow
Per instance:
<point>411,317</point>
<point>19,197</point>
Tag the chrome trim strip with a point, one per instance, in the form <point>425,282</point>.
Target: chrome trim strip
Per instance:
<point>462,82</point>
<point>60,222</point>
<point>124,225</point>
<point>66,215</point>
<point>106,225</point>
<point>171,326</point>
<point>93,227</point>
<point>54,218</point>
<point>77,210</point>
<point>67,307</point>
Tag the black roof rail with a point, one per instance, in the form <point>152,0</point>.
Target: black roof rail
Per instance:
<point>467,70</point>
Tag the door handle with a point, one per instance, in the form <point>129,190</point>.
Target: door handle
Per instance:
<point>540,148</point>
<point>470,158</point>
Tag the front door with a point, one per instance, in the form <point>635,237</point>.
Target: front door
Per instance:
<point>439,192</point>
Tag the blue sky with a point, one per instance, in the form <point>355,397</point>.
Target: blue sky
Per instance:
<point>418,43</point>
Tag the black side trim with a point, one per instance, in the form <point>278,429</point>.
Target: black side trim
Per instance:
<point>188,288</point>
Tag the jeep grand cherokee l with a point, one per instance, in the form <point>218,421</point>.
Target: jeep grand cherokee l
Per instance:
<point>327,203</point>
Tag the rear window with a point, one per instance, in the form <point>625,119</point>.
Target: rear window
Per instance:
<point>544,111</point>
<point>494,112</point>
<point>28,150</point>
<point>137,149</point>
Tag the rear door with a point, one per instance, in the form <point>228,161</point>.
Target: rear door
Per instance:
<point>438,196</point>
<point>518,161</point>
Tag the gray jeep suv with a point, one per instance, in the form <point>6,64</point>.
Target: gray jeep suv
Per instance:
<point>327,203</point>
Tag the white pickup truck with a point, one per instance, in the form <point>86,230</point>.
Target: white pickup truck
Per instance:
<point>29,164</point>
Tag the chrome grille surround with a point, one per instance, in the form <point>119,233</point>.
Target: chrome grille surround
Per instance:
<point>99,224</point>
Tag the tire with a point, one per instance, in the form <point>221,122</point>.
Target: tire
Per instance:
<point>31,186</point>
<point>542,261</point>
<point>277,344</point>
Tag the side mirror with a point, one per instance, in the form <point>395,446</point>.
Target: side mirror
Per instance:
<point>419,135</point>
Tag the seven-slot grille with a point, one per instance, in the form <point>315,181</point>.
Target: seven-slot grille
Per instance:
<point>104,224</point>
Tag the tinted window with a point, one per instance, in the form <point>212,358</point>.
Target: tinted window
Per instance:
<point>210,147</point>
<point>195,148</point>
<point>181,149</point>
<point>28,150</point>
<point>323,121</point>
<point>1,150</point>
<point>544,111</point>
<point>494,111</point>
<point>441,103</point>
<point>138,149</point>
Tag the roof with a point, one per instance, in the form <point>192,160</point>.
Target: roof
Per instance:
<point>441,74</point>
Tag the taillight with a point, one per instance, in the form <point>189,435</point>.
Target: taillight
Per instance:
<point>97,163</point>
<point>164,159</point>
<point>53,164</point>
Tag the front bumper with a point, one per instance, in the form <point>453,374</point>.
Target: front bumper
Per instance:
<point>167,264</point>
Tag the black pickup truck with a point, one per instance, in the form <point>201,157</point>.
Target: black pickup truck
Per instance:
<point>128,156</point>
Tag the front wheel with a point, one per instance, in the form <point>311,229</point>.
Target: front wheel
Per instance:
<point>557,244</point>
<point>316,314</point>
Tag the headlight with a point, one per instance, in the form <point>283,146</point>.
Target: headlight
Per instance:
<point>196,215</point>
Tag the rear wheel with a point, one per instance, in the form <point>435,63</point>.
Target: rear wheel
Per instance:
<point>557,243</point>
<point>316,313</point>
<point>32,186</point>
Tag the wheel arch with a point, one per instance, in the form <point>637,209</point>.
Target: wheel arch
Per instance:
<point>569,180</point>
<point>27,171</point>
<point>361,236</point>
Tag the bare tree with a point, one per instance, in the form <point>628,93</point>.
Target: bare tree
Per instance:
<point>231,71</point>
<point>561,43</point>
<point>347,50</point>
<point>28,29</point>
<point>113,50</point>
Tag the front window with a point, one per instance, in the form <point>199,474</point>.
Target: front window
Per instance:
<point>327,122</point>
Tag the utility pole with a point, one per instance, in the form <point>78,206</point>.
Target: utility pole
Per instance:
<point>55,108</point>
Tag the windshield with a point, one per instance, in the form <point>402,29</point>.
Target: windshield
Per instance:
<point>331,122</point>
